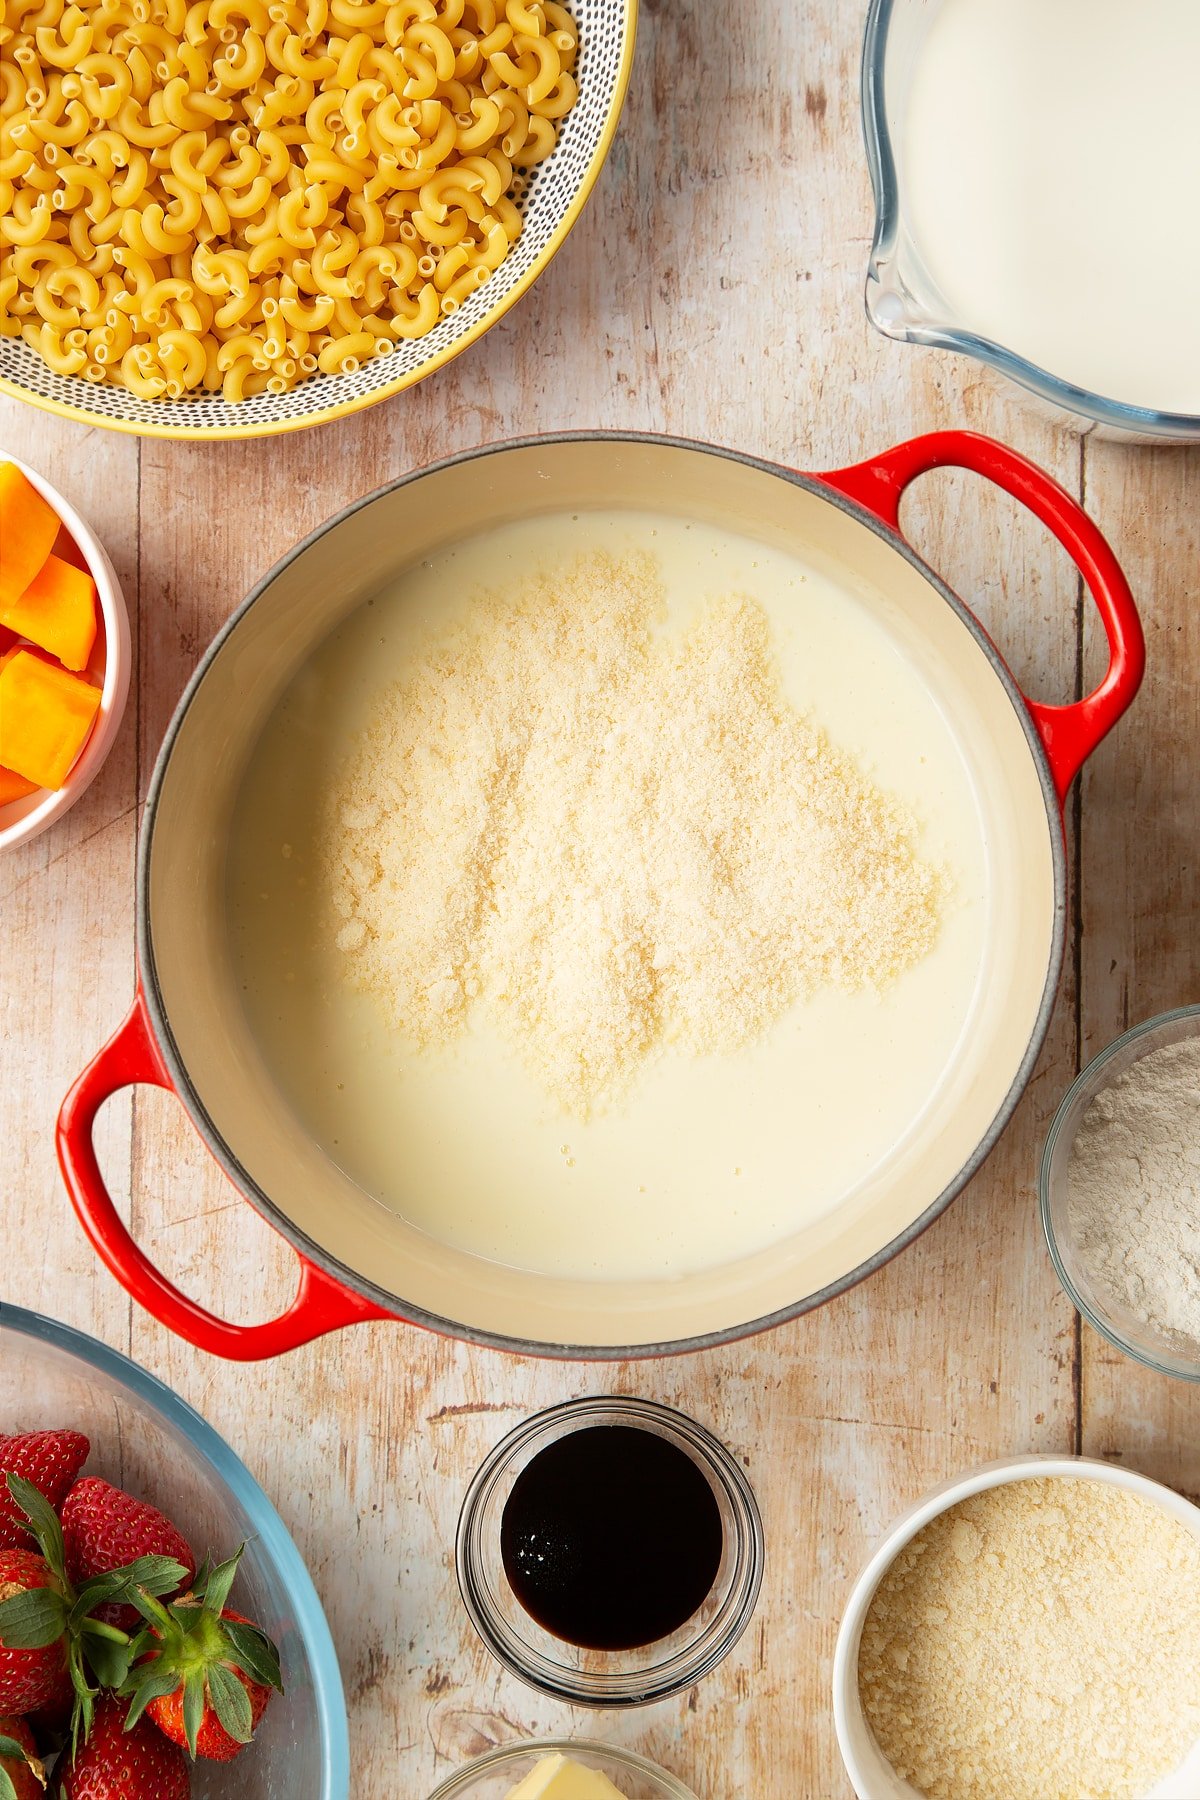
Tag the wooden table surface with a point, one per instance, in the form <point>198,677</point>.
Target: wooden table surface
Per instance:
<point>713,288</point>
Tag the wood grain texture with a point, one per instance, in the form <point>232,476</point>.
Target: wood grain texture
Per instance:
<point>712,288</point>
<point>1141,880</point>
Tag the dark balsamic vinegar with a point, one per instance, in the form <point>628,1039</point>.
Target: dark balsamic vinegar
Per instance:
<point>611,1537</point>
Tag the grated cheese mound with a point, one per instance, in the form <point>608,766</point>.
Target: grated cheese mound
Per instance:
<point>1039,1641</point>
<point>612,836</point>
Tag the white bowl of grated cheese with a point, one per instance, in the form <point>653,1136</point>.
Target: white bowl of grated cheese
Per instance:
<point>1120,1193</point>
<point>996,1642</point>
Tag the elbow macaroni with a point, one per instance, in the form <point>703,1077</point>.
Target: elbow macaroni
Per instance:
<point>232,195</point>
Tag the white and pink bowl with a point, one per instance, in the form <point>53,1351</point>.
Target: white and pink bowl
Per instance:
<point>110,664</point>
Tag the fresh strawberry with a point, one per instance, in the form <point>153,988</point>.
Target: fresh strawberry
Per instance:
<point>22,1776</point>
<point>33,1608</point>
<point>207,1673</point>
<point>212,1740</point>
<point>50,1460</point>
<point>116,1764</point>
<point>48,1626</point>
<point>105,1529</point>
<point>51,1723</point>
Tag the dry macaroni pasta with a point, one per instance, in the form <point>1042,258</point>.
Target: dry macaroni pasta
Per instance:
<point>234,194</point>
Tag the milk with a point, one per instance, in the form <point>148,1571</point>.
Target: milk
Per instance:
<point>1048,157</point>
<point>706,1157</point>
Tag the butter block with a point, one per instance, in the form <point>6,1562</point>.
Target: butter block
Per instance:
<point>557,1778</point>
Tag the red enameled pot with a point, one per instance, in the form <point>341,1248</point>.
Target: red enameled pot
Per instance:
<point>188,1032</point>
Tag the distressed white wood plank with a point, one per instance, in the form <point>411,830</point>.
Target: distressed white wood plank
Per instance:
<point>1141,853</point>
<point>66,936</point>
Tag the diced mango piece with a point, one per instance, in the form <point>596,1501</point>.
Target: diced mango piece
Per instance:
<point>28,528</point>
<point>14,786</point>
<point>57,611</point>
<point>45,715</point>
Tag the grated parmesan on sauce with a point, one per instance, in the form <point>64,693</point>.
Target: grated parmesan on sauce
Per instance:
<point>1039,1641</point>
<point>613,836</point>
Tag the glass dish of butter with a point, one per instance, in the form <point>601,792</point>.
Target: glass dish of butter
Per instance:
<point>562,1769</point>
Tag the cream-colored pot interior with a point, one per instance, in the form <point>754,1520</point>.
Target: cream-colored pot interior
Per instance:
<point>187,962</point>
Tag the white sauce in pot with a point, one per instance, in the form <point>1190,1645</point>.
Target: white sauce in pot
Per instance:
<point>707,1157</point>
<point>1049,156</point>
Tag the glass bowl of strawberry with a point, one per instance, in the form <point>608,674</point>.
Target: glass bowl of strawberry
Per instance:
<point>133,1598</point>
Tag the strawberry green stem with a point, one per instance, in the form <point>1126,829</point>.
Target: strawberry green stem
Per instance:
<point>101,1628</point>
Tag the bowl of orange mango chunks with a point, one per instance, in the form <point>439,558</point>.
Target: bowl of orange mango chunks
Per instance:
<point>64,654</point>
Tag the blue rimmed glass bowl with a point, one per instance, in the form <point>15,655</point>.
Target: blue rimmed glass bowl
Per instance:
<point>903,300</point>
<point>144,1438</point>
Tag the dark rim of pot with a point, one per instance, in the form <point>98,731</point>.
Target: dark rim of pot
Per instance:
<point>403,1309</point>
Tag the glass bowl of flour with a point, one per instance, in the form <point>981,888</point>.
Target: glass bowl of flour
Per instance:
<point>1120,1193</point>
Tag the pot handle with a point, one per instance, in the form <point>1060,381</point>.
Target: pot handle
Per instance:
<point>321,1304</point>
<point>1069,733</point>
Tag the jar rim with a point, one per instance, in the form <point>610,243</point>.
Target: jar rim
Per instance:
<point>622,1678</point>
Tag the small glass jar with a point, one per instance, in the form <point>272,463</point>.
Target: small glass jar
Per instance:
<point>494,1776</point>
<point>1118,1324</point>
<point>604,1677</point>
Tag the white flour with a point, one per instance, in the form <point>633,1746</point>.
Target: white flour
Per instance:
<point>1134,1190</point>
